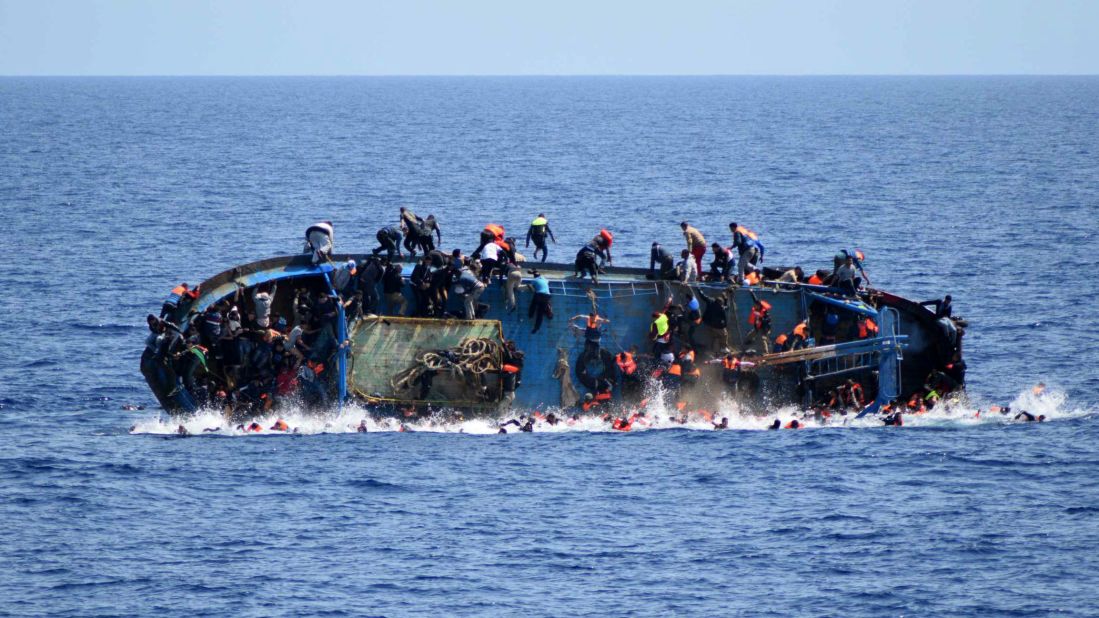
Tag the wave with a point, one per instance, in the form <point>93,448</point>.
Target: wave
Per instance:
<point>962,412</point>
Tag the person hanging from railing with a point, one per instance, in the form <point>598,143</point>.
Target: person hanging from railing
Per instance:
<point>660,332</point>
<point>540,305</point>
<point>593,329</point>
<point>760,320</point>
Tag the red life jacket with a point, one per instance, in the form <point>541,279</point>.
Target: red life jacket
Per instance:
<point>815,280</point>
<point>625,363</point>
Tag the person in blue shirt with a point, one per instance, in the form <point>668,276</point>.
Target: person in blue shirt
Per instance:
<point>540,306</point>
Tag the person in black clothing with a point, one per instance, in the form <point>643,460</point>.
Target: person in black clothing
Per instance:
<point>722,266</point>
<point>370,274</point>
<point>943,308</point>
<point>389,241</point>
<point>392,286</point>
<point>716,319</point>
<point>420,281</point>
<point>659,255</point>
<point>538,231</point>
<point>429,232</point>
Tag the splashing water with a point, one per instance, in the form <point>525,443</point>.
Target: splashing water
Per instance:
<point>959,412</point>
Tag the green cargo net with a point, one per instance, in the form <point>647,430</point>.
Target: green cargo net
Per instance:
<point>389,356</point>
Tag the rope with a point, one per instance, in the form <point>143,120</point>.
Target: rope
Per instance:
<point>469,359</point>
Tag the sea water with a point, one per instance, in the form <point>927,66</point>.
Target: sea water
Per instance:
<point>115,190</point>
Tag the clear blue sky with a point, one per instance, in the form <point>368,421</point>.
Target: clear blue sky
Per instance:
<point>515,37</point>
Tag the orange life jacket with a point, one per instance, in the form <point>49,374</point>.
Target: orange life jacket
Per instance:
<point>687,359</point>
<point>675,370</point>
<point>621,424</point>
<point>755,318</point>
<point>802,330</point>
<point>280,425</point>
<point>752,278</point>
<point>867,327</point>
<point>607,236</point>
<point>625,363</point>
<point>747,232</point>
<point>497,231</point>
<point>602,396</point>
<point>781,339</point>
<point>855,394</point>
<point>732,364</point>
<point>794,424</point>
<point>506,368</point>
<point>816,280</point>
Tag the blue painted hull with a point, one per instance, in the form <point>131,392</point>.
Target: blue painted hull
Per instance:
<point>627,299</point>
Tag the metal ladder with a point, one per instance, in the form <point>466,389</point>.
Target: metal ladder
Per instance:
<point>840,365</point>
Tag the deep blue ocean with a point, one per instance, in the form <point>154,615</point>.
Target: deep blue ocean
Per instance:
<point>114,190</point>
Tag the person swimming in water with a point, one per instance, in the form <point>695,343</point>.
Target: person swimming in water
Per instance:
<point>1027,417</point>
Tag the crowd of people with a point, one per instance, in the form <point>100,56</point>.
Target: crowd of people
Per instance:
<point>263,356</point>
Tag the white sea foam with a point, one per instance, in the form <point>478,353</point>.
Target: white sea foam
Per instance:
<point>963,411</point>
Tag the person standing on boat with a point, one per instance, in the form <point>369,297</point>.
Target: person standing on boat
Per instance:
<point>696,244</point>
<point>747,245</point>
<point>540,306</point>
<point>320,240</point>
<point>539,229</point>
<point>845,277</point>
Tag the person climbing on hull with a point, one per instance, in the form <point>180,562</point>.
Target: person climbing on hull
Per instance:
<point>320,241</point>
